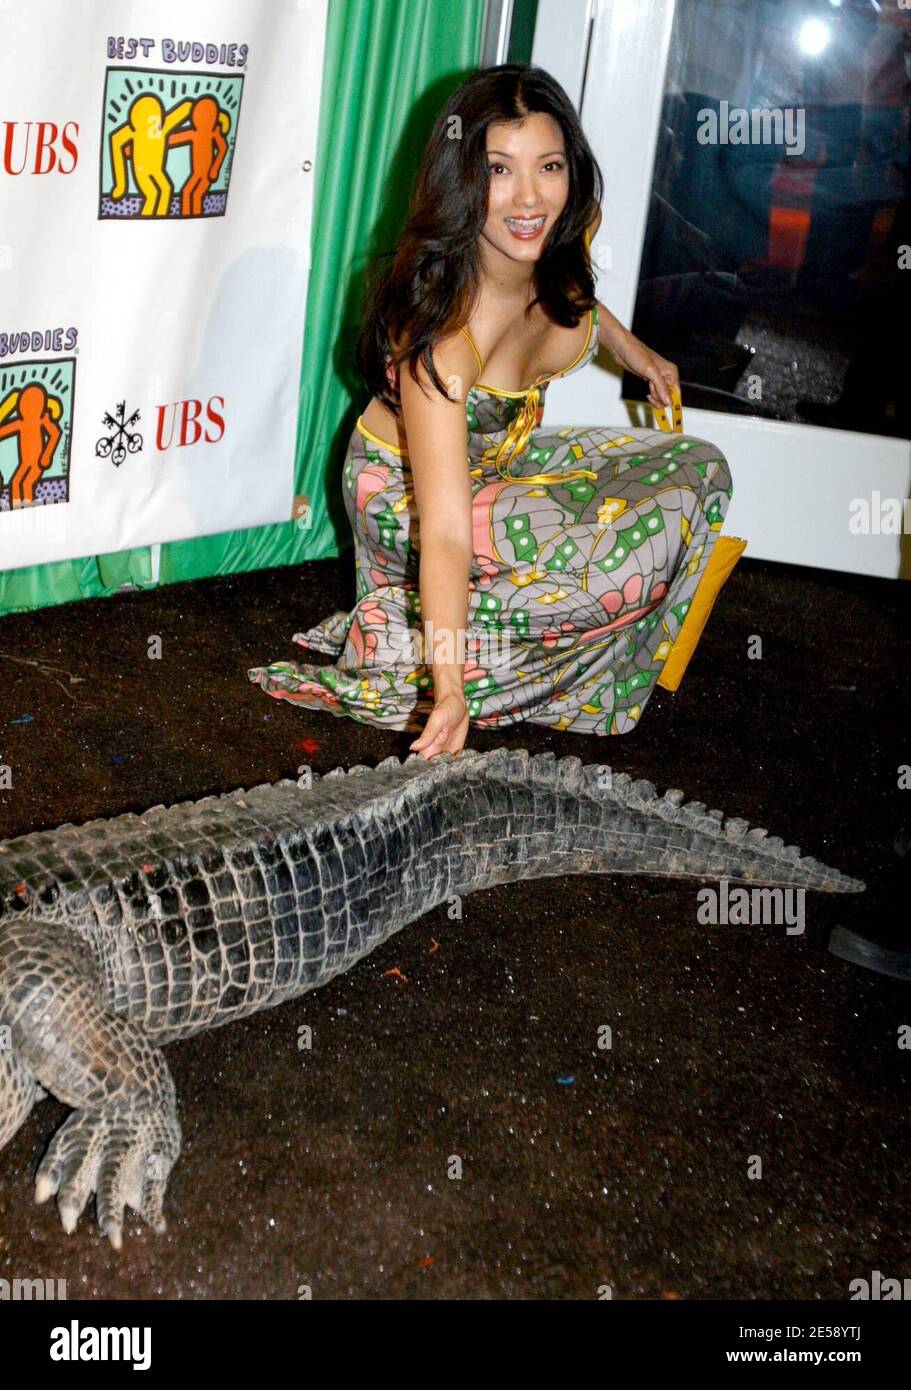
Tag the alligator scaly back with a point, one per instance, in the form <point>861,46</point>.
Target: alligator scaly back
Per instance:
<point>569,818</point>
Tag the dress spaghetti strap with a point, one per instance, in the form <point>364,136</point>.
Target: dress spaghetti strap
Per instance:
<point>474,348</point>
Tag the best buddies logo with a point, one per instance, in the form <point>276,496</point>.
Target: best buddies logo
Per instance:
<point>36,413</point>
<point>168,134</point>
<point>37,397</point>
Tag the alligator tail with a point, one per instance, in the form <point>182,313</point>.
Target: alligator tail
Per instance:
<point>609,822</point>
<point>532,815</point>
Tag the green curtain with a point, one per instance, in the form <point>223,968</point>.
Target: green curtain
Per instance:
<point>389,66</point>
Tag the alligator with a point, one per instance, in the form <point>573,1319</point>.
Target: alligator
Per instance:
<point>120,935</point>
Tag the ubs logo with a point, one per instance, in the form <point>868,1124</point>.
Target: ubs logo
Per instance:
<point>38,147</point>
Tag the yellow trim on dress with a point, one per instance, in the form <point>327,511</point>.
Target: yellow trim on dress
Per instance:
<point>523,423</point>
<point>521,427</point>
<point>473,348</point>
<point>393,449</point>
<point>495,390</point>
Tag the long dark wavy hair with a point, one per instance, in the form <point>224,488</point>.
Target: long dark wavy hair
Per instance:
<point>430,286</point>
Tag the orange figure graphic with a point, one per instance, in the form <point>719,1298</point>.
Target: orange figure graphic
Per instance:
<point>208,128</point>
<point>144,136</point>
<point>39,434</point>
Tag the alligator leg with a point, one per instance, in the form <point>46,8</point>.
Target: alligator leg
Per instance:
<point>18,1092</point>
<point>123,1138</point>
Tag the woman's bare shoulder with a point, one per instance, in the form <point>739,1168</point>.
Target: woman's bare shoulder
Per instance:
<point>454,359</point>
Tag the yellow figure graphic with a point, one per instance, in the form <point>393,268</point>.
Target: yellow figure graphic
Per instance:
<point>144,135</point>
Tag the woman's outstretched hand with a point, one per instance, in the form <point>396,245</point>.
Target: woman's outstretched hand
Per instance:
<point>446,728</point>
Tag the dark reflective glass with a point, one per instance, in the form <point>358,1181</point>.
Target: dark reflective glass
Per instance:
<point>777,257</point>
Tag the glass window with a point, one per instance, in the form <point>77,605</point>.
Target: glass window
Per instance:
<point>777,255</point>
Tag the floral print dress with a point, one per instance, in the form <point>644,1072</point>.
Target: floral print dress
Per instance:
<point>588,546</point>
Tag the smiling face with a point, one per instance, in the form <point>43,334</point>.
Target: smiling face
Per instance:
<point>528,185</point>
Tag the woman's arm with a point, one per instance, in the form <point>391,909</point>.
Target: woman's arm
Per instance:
<point>445,566</point>
<point>437,433</point>
<point>630,352</point>
<point>610,329</point>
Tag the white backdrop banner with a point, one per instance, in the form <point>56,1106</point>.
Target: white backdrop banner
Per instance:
<point>156,178</point>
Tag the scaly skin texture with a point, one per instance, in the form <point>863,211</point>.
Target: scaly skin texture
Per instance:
<point>120,935</point>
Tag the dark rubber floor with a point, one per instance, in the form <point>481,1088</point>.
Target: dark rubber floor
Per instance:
<point>455,1129</point>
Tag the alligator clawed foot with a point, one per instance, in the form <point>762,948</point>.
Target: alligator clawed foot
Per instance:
<point>123,1155</point>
